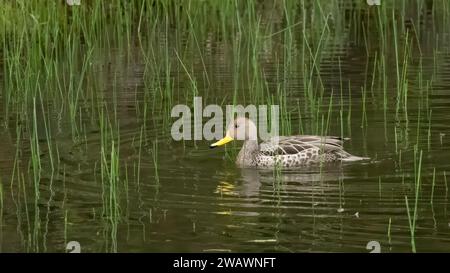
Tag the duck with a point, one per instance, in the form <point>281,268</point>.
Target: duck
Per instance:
<point>283,151</point>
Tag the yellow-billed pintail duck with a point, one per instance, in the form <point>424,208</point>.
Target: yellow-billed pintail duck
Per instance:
<point>285,151</point>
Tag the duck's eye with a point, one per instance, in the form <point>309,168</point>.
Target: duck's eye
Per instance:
<point>236,126</point>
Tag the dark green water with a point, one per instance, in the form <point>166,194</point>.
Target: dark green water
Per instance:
<point>196,199</point>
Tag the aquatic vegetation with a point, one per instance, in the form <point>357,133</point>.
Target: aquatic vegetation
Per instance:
<point>412,213</point>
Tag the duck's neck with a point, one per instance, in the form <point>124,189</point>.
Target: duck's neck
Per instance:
<point>246,156</point>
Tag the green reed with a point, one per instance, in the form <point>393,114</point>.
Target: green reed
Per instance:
<point>35,154</point>
<point>412,213</point>
<point>364,121</point>
<point>389,230</point>
<point>110,175</point>
<point>1,206</point>
<point>155,160</point>
<point>432,186</point>
<point>445,182</point>
<point>65,228</point>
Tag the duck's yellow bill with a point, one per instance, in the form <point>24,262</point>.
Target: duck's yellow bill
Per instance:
<point>221,142</point>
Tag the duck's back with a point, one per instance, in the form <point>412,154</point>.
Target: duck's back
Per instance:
<point>296,151</point>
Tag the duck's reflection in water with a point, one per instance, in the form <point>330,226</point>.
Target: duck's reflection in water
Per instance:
<point>254,182</point>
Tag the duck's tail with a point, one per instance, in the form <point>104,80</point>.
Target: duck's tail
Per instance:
<point>353,158</point>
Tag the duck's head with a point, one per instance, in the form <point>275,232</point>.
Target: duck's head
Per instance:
<point>240,129</point>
